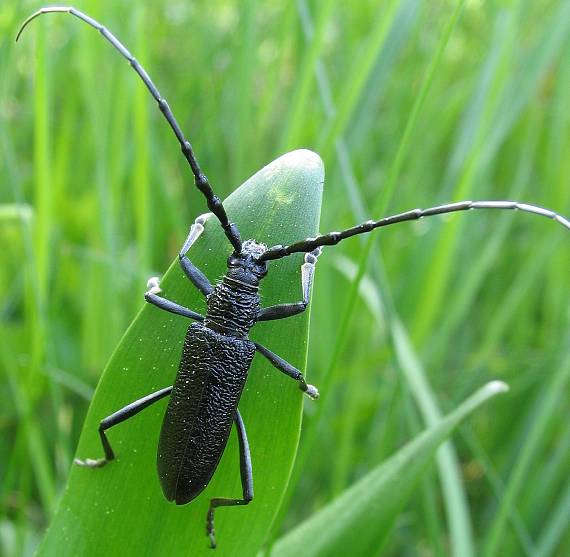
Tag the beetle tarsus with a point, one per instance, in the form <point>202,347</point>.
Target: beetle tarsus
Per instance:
<point>311,391</point>
<point>195,232</point>
<point>90,462</point>
<point>153,285</point>
<point>210,528</point>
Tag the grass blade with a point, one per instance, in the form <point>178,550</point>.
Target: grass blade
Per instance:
<point>377,498</point>
<point>545,411</point>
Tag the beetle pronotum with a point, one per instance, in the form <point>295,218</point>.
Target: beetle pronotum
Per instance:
<point>217,351</point>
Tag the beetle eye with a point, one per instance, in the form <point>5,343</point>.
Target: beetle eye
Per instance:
<point>233,261</point>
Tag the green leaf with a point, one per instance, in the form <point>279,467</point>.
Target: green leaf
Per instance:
<point>359,521</point>
<point>120,509</point>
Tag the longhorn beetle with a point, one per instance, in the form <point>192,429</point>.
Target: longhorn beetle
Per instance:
<point>217,352</point>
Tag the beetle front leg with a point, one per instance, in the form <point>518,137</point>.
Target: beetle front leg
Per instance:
<point>246,474</point>
<point>152,297</point>
<point>197,277</point>
<point>119,416</point>
<point>282,311</point>
<point>282,365</point>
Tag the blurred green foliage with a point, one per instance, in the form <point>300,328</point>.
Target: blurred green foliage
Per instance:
<point>408,106</point>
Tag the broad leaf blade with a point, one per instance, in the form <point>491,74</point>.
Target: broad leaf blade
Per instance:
<point>120,509</point>
<point>359,521</point>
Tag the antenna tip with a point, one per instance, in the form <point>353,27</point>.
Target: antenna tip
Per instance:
<point>41,11</point>
<point>20,31</point>
<point>25,24</point>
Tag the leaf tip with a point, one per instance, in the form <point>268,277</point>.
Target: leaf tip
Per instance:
<point>303,160</point>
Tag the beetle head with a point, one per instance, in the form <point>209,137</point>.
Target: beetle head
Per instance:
<point>245,266</point>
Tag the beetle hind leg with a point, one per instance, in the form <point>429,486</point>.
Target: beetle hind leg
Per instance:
<point>246,474</point>
<point>114,419</point>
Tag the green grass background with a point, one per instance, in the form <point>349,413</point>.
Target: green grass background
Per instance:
<point>409,103</point>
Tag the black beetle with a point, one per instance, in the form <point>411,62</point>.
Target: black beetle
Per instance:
<point>217,352</point>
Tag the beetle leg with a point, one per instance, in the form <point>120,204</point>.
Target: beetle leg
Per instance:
<point>282,365</point>
<point>282,311</point>
<point>197,277</point>
<point>116,418</point>
<point>152,297</point>
<point>246,474</point>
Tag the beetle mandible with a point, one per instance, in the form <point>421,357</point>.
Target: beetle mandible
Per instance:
<point>217,351</point>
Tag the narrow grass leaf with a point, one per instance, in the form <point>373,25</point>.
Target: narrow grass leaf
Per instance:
<point>554,388</point>
<point>355,81</point>
<point>359,521</point>
<point>557,526</point>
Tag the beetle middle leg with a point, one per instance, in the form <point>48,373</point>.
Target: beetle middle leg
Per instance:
<point>282,311</point>
<point>283,365</point>
<point>246,474</point>
<point>116,418</point>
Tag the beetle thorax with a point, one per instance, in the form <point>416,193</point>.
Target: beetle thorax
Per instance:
<point>234,304</point>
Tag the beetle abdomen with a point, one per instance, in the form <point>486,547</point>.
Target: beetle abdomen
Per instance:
<point>213,370</point>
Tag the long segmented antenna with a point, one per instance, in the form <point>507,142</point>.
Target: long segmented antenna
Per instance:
<point>333,238</point>
<point>200,179</point>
